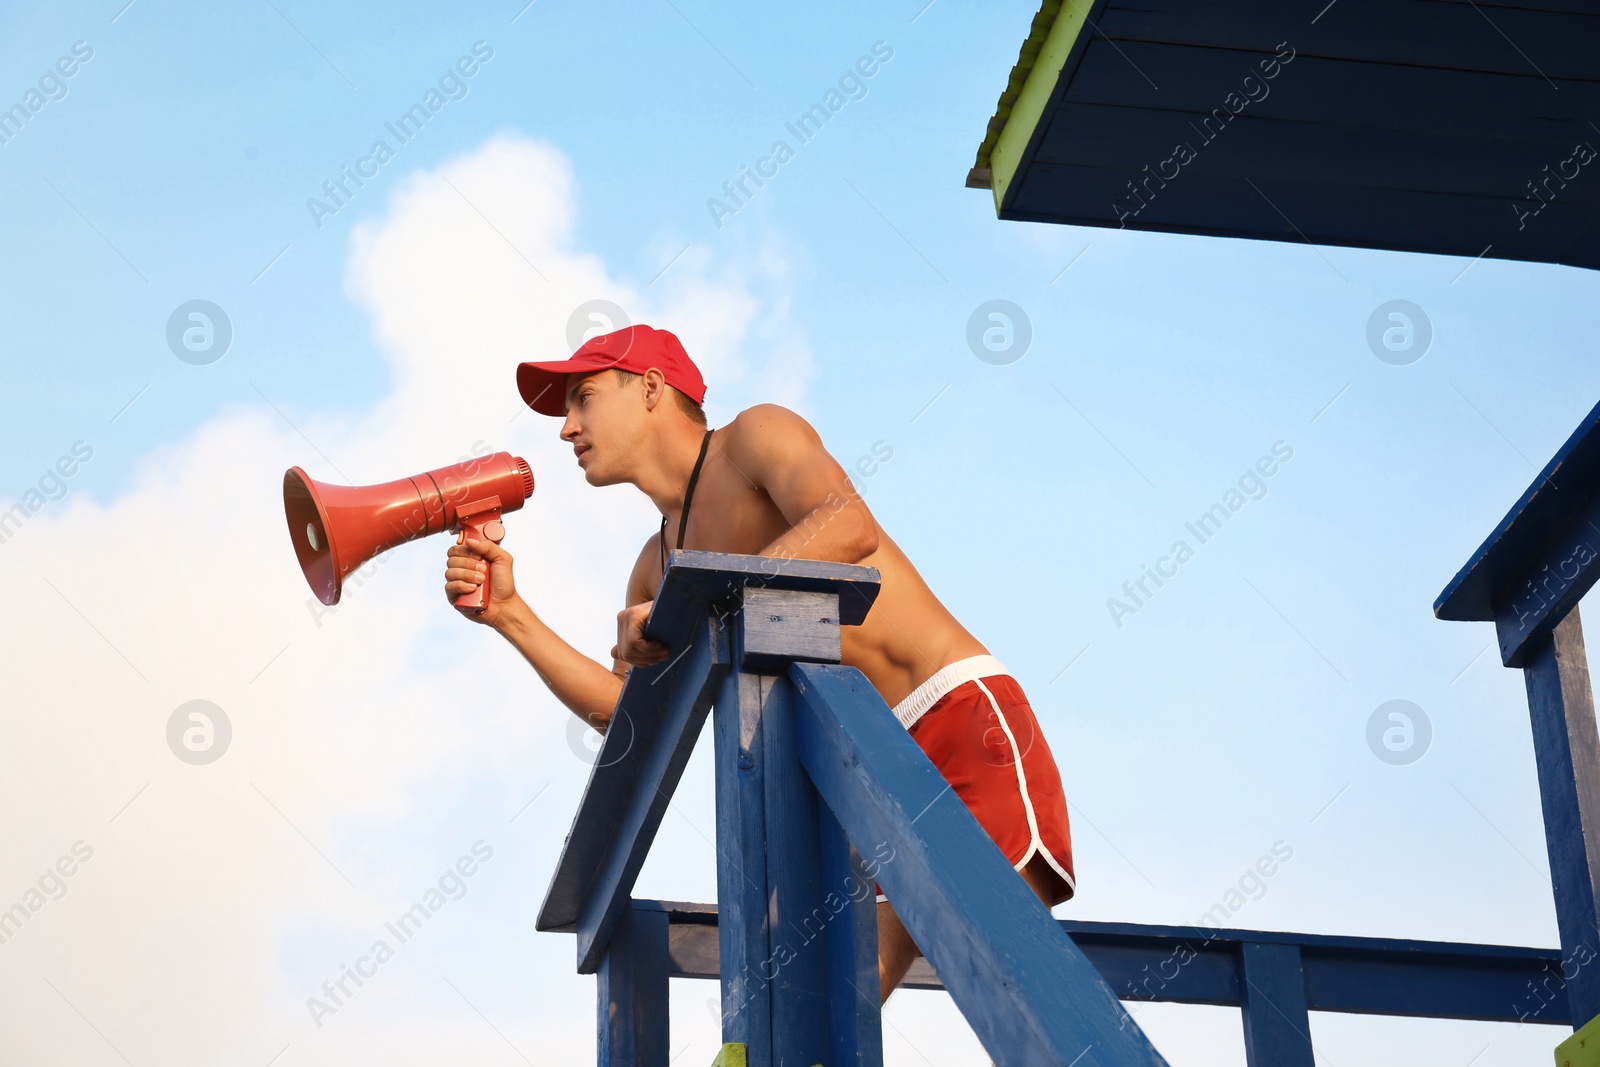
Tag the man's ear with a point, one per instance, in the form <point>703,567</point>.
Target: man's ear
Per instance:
<point>655,388</point>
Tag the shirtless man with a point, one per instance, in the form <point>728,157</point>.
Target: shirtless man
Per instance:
<point>764,485</point>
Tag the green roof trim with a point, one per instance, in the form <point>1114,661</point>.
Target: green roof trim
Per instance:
<point>1033,81</point>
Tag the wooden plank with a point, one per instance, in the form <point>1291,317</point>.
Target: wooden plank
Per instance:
<point>1272,1006</point>
<point>1558,499</point>
<point>855,1026</point>
<point>797,919</point>
<point>1320,214</point>
<point>614,784</point>
<point>663,748</point>
<point>1567,751</point>
<point>1441,987</point>
<point>1402,32</point>
<point>696,952</point>
<point>1496,6</point>
<point>655,727</point>
<point>778,626</point>
<point>744,938</point>
<point>1552,582</point>
<point>1198,965</point>
<point>1152,145</point>
<point>1336,91</point>
<point>632,992</point>
<point>1026,990</point>
<point>696,580</point>
<point>1178,970</point>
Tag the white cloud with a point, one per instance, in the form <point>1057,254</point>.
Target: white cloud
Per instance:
<point>389,734</point>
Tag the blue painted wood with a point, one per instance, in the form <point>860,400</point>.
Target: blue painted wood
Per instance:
<point>779,626</point>
<point>697,580</point>
<point>797,920</point>
<point>1199,965</point>
<point>1567,749</point>
<point>1451,37</point>
<point>855,1026</point>
<point>628,793</point>
<point>1272,1005</point>
<point>1029,993</point>
<point>1533,534</point>
<point>632,991</point>
<point>787,941</point>
<point>743,952</point>
<point>1551,583</point>
<point>628,790</point>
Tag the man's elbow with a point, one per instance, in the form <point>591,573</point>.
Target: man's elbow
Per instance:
<point>866,540</point>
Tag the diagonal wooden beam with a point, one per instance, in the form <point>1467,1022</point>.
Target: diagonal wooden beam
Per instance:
<point>1028,992</point>
<point>655,728</point>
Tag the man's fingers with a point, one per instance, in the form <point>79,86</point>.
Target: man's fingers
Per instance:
<point>487,549</point>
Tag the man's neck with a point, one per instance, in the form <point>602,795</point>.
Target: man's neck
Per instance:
<point>666,475</point>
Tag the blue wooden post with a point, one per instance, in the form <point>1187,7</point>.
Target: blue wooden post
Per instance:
<point>632,991</point>
<point>1564,739</point>
<point>855,1027</point>
<point>797,607</point>
<point>742,869</point>
<point>798,951</point>
<point>1528,577</point>
<point>1272,1005</point>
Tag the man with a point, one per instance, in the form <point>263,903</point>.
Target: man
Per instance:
<point>764,485</point>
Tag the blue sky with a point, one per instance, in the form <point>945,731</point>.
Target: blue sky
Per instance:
<point>1228,713</point>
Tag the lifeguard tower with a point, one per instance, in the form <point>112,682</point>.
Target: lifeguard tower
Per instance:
<point>1416,125</point>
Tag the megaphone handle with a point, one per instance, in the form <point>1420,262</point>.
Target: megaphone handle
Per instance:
<point>484,526</point>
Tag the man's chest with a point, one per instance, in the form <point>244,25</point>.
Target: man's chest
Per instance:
<point>729,514</point>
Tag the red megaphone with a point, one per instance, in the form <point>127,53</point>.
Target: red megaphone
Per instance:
<point>337,528</point>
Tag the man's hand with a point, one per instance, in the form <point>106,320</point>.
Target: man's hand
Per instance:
<point>463,573</point>
<point>632,646</point>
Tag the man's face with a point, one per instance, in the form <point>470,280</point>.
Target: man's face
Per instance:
<point>605,424</point>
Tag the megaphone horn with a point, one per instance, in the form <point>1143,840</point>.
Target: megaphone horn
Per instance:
<point>337,528</point>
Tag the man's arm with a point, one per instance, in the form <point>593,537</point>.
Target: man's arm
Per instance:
<point>780,452</point>
<point>783,456</point>
<point>584,685</point>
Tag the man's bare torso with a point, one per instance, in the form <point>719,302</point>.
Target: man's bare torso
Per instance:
<point>908,634</point>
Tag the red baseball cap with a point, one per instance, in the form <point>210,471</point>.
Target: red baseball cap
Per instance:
<point>632,348</point>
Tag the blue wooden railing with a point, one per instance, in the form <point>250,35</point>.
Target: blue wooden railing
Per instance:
<point>820,793</point>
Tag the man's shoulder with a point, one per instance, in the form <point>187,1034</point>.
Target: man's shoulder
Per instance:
<point>768,423</point>
<point>762,414</point>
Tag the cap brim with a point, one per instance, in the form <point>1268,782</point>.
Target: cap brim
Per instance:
<point>544,385</point>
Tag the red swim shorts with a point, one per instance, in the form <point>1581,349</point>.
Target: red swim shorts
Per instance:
<point>973,722</point>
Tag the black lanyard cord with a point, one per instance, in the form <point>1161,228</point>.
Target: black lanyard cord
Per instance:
<point>688,496</point>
